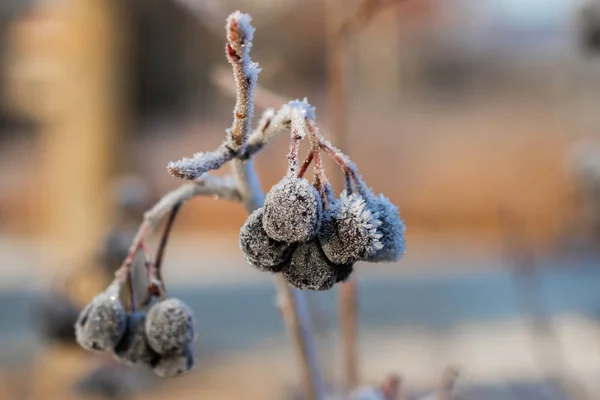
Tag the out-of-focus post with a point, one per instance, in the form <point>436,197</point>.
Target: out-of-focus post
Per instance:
<point>81,130</point>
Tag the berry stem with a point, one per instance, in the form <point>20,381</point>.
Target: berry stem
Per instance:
<point>320,176</point>
<point>160,252</point>
<point>306,163</point>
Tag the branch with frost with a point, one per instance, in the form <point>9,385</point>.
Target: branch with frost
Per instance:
<point>223,188</point>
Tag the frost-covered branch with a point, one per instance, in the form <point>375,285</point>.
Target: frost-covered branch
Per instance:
<point>224,188</point>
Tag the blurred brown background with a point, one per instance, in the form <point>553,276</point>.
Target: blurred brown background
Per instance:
<point>455,109</point>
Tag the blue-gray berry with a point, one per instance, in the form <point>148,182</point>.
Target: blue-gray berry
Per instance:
<point>170,327</point>
<point>292,211</point>
<point>262,252</point>
<point>175,365</point>
<point>309,268</point>
<point>133,347</point>
<point>101,324</point>
<point>392,230</point>
<point>349,230</point>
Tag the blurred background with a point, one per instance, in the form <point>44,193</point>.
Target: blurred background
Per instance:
<point>477,117</point>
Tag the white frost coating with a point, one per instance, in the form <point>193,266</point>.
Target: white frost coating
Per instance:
<point>193,168</point>
<point>245,23</point>
<point>354,207</point>
<point>298,117</point>
<point>302,105</point>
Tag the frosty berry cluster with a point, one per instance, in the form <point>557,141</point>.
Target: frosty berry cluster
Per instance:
<point>307,233</point>
<point>160,338</point>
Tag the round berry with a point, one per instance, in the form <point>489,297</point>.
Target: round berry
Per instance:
<point>175,365</point>
<point>101,324</point>
<point>170,327</point>
<point>133,347</point>
<point>309,268</point>
<point>349,230</point>
<point>392,230</point>
<point>292,211</point>
<point>261,251</point>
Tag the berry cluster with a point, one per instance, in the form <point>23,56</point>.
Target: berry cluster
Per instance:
<point>160,338</point>
<point>313,238</point>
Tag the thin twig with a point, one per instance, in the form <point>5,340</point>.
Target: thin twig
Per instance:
<point>162,245</point>
<point>239,31</point>
<point>220,187</point>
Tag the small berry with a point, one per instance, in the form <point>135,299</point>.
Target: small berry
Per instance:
<point>133,347</point>
<point>292,211</point>
<point>170,327</point>
<point>102,322</point>
<point>349,230</point>
<point>261,251</point>
<point>392,230</point>
<point>175,365</point>
<point>310,269</point>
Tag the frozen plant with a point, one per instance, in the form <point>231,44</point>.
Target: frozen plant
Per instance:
<point>300,231</point>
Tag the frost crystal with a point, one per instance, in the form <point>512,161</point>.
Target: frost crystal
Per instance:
<point>172,366</point>
<point>193,168</point>
<point>292,211</point>
<point>349,231</point>
<point>101,324</point>
<point>244,27</point>
<point>133,347</point>
<point>261,251</point>
<point>170,327</point>
<point>392,229</point>
<point>310,269</point>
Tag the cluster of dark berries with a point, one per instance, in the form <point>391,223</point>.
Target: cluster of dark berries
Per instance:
<point>313,238</point>
<point>160,338</point>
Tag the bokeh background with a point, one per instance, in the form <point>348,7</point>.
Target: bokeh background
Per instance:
<point>477,117</point>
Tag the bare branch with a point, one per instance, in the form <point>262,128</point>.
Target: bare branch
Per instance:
<point>219,187</point>
<point>245,73</point>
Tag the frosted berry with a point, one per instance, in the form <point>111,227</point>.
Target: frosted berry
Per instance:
<point>349,230</point>
<point>133,347</point>
<point>175,365</point>
<point>292,211</point>
<point>310,269</point>
<point>392,230</point>
<point>261,251</point>
<point>170,327</point>
<point>101,324</point>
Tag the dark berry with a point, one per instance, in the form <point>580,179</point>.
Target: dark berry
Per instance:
<point>261,251</point>
<point>170,327</point>
<point>102,322</point>
<point>292,211</point>
<point>174,365</point>
<point>133,347</point>
<point>309,268</point>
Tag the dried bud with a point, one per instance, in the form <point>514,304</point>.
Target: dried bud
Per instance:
<point>349,230</point>
<point>133,347</point>
<point>310,269</point>
<point>170,327</point>
<point>392,230</point>
<point>261,251</point>
<point>292,211</point>
<point>101,324</point>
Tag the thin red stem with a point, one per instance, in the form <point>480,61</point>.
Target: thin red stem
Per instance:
<point>160,253</point>
<point>306,163</point>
